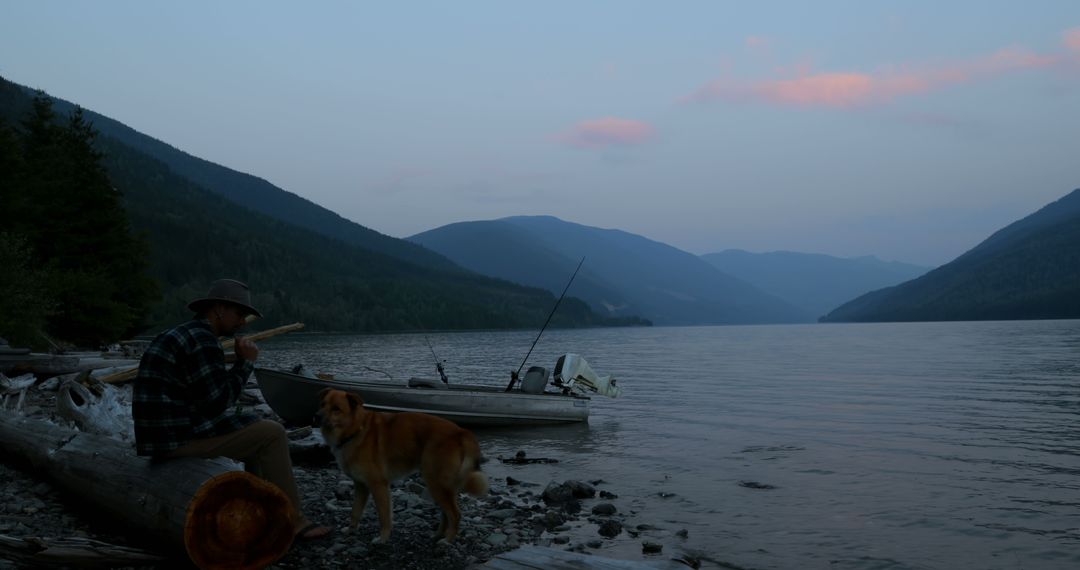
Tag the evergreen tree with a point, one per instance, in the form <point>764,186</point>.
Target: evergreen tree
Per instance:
<point>24,303</point>
<point>74,221</point>
<point>10,169</point>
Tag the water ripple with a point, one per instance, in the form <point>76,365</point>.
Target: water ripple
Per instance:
<point>908,445</point>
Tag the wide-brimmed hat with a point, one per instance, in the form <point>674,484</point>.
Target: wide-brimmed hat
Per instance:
<point>226,291</point>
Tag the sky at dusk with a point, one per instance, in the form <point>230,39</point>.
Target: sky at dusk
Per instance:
<point>907,130</point>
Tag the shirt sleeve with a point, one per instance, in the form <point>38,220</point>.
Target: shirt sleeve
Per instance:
<point>214,387</point>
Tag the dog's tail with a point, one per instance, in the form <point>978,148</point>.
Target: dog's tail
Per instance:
<point>474,482</point>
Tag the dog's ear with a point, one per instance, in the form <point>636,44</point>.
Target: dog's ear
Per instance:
<point>354,401</point>
<point>324,392</point>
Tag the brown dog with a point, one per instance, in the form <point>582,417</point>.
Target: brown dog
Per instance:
<point>376,448</point>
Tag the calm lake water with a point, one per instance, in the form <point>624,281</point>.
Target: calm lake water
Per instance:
<point>921,445</point>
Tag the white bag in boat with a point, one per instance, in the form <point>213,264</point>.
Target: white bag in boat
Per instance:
<point>573,372</point>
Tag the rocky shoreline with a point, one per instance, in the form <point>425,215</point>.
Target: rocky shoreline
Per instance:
<point>514,513</point>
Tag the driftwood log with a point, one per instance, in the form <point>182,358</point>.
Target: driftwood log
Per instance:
<point>73,552</point>
<point>220,516</point>
<point>532,557</point>
<point>95,408</point>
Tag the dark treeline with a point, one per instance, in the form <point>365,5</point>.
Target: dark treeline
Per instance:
<point>74,269</point>
<point>106,242</point>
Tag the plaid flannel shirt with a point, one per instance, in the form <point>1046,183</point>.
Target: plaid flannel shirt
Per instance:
<point>184,391</point>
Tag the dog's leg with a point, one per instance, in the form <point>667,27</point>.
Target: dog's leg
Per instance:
<point>446,498</point>
<point>441,531</point>
<point>430,472</point>
<point>381,493</point>
<point>360,497</point>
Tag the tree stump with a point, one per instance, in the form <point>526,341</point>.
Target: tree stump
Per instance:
<point>222,517</point>
<point>231,517</point>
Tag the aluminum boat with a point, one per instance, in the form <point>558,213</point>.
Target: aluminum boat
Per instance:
<point>294,396</point>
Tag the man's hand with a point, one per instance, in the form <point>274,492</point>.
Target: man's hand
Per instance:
<point>246,350</point>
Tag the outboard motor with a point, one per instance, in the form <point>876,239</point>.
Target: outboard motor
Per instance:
<point>573,373</point>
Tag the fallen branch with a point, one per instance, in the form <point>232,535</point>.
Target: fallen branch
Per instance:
<point>529,461</point>
<point>74,551</point>
<point>15,385</point>
<point>520,459</point>
<point>531,557</point>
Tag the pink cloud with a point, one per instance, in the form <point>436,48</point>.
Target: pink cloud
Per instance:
<point>1071,39</point>
<point>837,89</point>
<point>801,86</point>
<point>1015,58</point>
<point>818,90</point>
<point>757,42</point>
<point>607,131</point>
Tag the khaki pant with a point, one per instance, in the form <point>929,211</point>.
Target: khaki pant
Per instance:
<point>264,449</point>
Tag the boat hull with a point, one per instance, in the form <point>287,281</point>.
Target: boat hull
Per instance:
<point>296,399</point>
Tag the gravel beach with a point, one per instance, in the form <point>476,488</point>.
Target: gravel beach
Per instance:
<point>514,512</point>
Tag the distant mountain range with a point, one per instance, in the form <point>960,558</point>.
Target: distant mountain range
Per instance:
<point>623,273</point>
<point>813,282</point>
<point>1028,270</point>
<point>308,263</point>
<point>332,276</point>
<point>501,249</point>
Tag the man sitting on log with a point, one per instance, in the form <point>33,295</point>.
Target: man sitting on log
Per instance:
<point>184,403</point>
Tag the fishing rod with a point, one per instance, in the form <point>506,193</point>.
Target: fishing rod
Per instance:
<point>438,363</point>
<point>514,375</point>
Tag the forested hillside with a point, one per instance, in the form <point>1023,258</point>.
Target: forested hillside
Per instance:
<point>1027,270</point>
<point>191,236</point>
<point>254,192</point>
